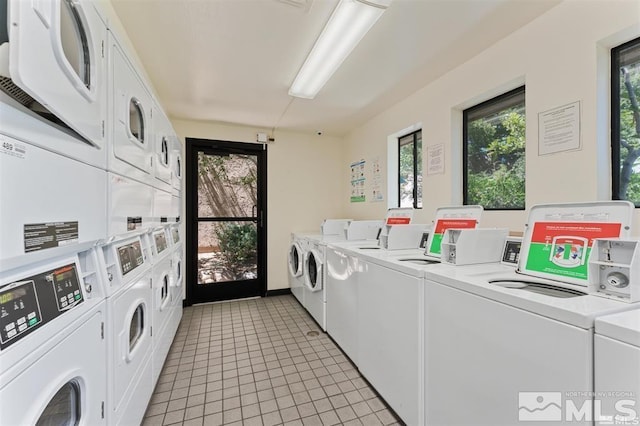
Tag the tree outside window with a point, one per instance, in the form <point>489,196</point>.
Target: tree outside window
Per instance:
<point>494,152</point>
<point>410,170</point>
<point>625,121</point>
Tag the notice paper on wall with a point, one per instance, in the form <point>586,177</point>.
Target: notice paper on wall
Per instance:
<point>559,129</point>
<point>357,182</point>
<point>376,181</point>
<point>435,159</point>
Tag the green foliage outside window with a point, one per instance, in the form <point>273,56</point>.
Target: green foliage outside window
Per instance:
<point>496,159</point>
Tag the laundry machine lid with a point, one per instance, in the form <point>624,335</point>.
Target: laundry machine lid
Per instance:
<point>558,237</point>
<point>313,270</point>
<point>455,217</point>
<point>623,326</point>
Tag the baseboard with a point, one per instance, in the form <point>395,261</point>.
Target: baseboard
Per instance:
<point>278,292</point>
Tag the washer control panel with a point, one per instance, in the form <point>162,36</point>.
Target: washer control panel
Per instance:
<point>31,302</point>
<point>130,257</point>
<point>176,235</point>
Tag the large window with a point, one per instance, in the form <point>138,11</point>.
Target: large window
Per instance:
<point>625,121</point>
<point>410,170</point>
<point>493,152</point>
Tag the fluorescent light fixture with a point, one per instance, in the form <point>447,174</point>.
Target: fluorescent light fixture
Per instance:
<point>348,24</point>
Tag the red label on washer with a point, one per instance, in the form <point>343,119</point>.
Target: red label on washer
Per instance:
<point>398,221</point>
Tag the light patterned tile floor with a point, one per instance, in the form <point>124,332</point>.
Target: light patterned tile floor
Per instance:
<point>252,362</point>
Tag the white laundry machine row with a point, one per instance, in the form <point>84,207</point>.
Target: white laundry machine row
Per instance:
<point>126,264</point>
<point>617,368</point>
<point>510,347</point>
<point>52,340</point>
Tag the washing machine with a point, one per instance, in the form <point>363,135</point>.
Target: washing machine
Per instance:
<point>162,302</point>
<point>617,368</point>
<point>55,59</point>
<point>163,207</point>
<point>295,266</point>
<point>66,200</point>
<point>131,139</point>
<point>126,267</point>
<point>177,282</point>
<point>52,345</point>
<point>511,347</point>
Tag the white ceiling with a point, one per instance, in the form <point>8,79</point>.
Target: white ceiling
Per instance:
<point>233,60</point>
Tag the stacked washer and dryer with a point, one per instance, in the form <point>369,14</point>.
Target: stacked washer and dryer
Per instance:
<point>90,254</point>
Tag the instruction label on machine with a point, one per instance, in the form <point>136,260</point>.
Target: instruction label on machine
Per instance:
<point>444,224</point>
<point>562,248</point>
<point>40,236</point>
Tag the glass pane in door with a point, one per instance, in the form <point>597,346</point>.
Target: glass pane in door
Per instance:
<point>227,185</point>
<point>227,251</point>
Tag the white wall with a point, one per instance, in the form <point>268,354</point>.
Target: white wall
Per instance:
<point>562,57</point>
<point>305,177</point>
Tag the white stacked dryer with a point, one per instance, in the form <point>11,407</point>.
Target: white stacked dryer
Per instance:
<point>126,266</point>
<point>177,279</point>
<point>52,344</point>
<point>55,154</point>
<point>162,297</point>
<point>130,150</point>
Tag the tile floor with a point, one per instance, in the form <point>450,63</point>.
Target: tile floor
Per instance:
<point>260,362</point>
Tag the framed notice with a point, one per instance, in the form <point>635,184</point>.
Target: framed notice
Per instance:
<point>435,159</point>
<point>559,129</point>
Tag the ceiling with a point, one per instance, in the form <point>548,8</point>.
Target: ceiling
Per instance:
<point>233,60</point>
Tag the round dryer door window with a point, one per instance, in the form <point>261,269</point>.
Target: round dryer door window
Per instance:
<point>294,260</point>
<point>64,407</point>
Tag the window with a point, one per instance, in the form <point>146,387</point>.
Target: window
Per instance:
<point>74,42</point>
<point>410,170</point>
<point>136,120</point>
<point>625,121</point>
<point>493,151</point>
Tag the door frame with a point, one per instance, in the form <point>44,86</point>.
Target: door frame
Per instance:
<point>230,290</point>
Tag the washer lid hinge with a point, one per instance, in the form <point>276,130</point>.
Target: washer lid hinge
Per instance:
<point>102,330</point>
<point>102,409</point>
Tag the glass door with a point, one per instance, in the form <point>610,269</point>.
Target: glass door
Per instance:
<point>226,230</point>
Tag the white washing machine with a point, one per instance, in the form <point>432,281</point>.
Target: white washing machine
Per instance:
<point>295,266</point>
<point>504,348</point>
<point>314,289</point>
<point>162,302</point>
<point>129,205</point>
<point>131,141</point>
<point>390,324</point>
<point>55,57</point>
<point>617,368</point>
<point>126,267</point>
<point>52,346</point>
<point>177,283</point>
<point>66,200</point>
